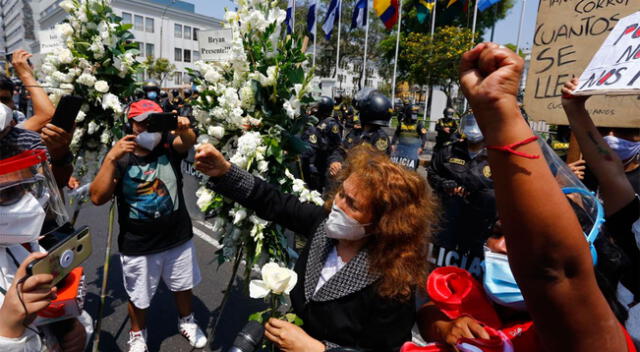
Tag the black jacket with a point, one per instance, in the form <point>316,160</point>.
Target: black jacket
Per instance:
<point>346,311</point>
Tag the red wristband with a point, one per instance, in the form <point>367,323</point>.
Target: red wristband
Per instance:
<point>510,148</point>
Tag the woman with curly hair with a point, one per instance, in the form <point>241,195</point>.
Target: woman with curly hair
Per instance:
<point>365,256</point>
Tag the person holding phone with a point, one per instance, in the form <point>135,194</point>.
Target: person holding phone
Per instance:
<point>15,140</point>
<point>143,171</point>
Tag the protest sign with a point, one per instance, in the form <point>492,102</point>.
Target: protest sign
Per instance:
<point>568,33</point>
<point>50,41</point>
<point>215,45</point>
<point>615,69</point>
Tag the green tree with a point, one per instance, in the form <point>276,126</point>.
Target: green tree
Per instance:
<point>158,68</point>
<point>435,62</point>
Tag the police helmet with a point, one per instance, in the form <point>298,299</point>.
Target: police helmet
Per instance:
<point>338,99</point>
<point>138,94</point>
<point>375,109</point>
<point>151,85</point>
<point>410,112</point>
<point>175,92</point>
<point>325,106</point>
<point>449,112</point>
<point>163,94</point>
<point>187,93</point>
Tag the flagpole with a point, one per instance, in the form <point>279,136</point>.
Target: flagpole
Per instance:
<point>395,63</point>
<point>433,30</point>
<point>524,4</point>
<point>315,30</point>
<point>366,44</point>
<point>473,36</point>
<point>293,17</point>
<point>338,42</point>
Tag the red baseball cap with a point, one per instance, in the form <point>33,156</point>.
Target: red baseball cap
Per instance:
<point>141,109</point>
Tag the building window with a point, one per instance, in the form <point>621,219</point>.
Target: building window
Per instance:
<point>187,32</point>
<point>149,25</point>
<point>126,18</point>
<point>177,78</point>
<point>141,48</point>
<point>196,31</point>
<point>196,55</point>
<point>138,25</point>
<point>178,54</point>
<point>177,30</point>
<point>151,50</point>
<point>187,55</point>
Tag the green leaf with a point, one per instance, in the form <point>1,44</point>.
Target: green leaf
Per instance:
<point>293,319</point>
<point>257,316</point>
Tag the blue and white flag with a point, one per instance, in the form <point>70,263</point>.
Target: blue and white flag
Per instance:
<point>311,19</point>
<point>290,14</point>
<point>360,14</point>
<point>330,20</point>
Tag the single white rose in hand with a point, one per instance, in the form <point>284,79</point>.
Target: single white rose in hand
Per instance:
<point>275,279</point>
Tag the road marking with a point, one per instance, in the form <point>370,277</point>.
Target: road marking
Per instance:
<point>210,240</point>
<point>206,224</point>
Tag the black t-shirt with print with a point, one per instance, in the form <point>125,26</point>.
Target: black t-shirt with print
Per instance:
<point>151,210</point>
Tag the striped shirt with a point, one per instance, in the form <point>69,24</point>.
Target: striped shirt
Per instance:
<point>18,141</point>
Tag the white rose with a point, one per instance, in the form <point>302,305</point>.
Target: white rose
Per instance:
<point>87,79</point>
<point>239,215</point>
<point>92,128</point>
<point>212,76</point>
<point>105,138</point>
<point>111,101</point>
<point>102,86</point>
<point>263,166</point>
<point>67,5</point>
<point>275,279</point>
<point>216,132</point>
<point>81,116</point>
<point>205,197</point>
<point>64,56</point>
<point>291,112</point>
<point>65,30</point>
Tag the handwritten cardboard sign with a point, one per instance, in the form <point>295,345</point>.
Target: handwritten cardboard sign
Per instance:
<point>568,34</point>
<point>615,69</point>
<point>215,45</point>
<point>50,41</point>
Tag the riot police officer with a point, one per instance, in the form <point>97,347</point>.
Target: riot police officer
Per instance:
<point>186,109</point>
<point>138,94</point>
<point>446,128</point>
<point>151,90</point>
<point>375,113</point>
<point>409,139</point>
<point>460,174</point>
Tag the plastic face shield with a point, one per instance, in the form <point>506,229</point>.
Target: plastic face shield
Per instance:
<point>470,129</point>
<point>586,205</point>
<point>29,172</point>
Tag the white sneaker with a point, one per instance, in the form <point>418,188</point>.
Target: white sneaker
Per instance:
<point>137,341</point>
<point>190,330</point>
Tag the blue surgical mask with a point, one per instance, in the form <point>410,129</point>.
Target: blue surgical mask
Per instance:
<point>152,95</point>
<point>499,284</point>
<point>624,148</point>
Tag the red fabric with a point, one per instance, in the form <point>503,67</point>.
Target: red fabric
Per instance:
<point>143,106</point>
<point>457,293</point>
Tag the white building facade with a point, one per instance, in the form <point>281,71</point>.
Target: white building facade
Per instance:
<point>162,29</point>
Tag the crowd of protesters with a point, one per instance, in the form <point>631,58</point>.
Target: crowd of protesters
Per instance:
<point>551,276</point>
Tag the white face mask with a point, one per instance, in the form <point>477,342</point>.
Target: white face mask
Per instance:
<point>22,221</point>
<point>6,116</point>
<point>149,140</point>
<point>341,226</point>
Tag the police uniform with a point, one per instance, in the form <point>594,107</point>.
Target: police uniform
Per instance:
<point>469,219</point>
<point>310,171</point>
<point>376,137</point>
<point>443,138</point>
<point>410,132</point>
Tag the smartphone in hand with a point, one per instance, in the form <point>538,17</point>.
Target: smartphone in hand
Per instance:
<point>64,256</point>
<point>67,111</point>
<point>162,122</point>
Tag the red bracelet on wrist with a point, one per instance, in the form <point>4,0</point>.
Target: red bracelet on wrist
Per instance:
<point>510,148</point>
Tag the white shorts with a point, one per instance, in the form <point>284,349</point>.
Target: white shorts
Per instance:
<point>178,268</point>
